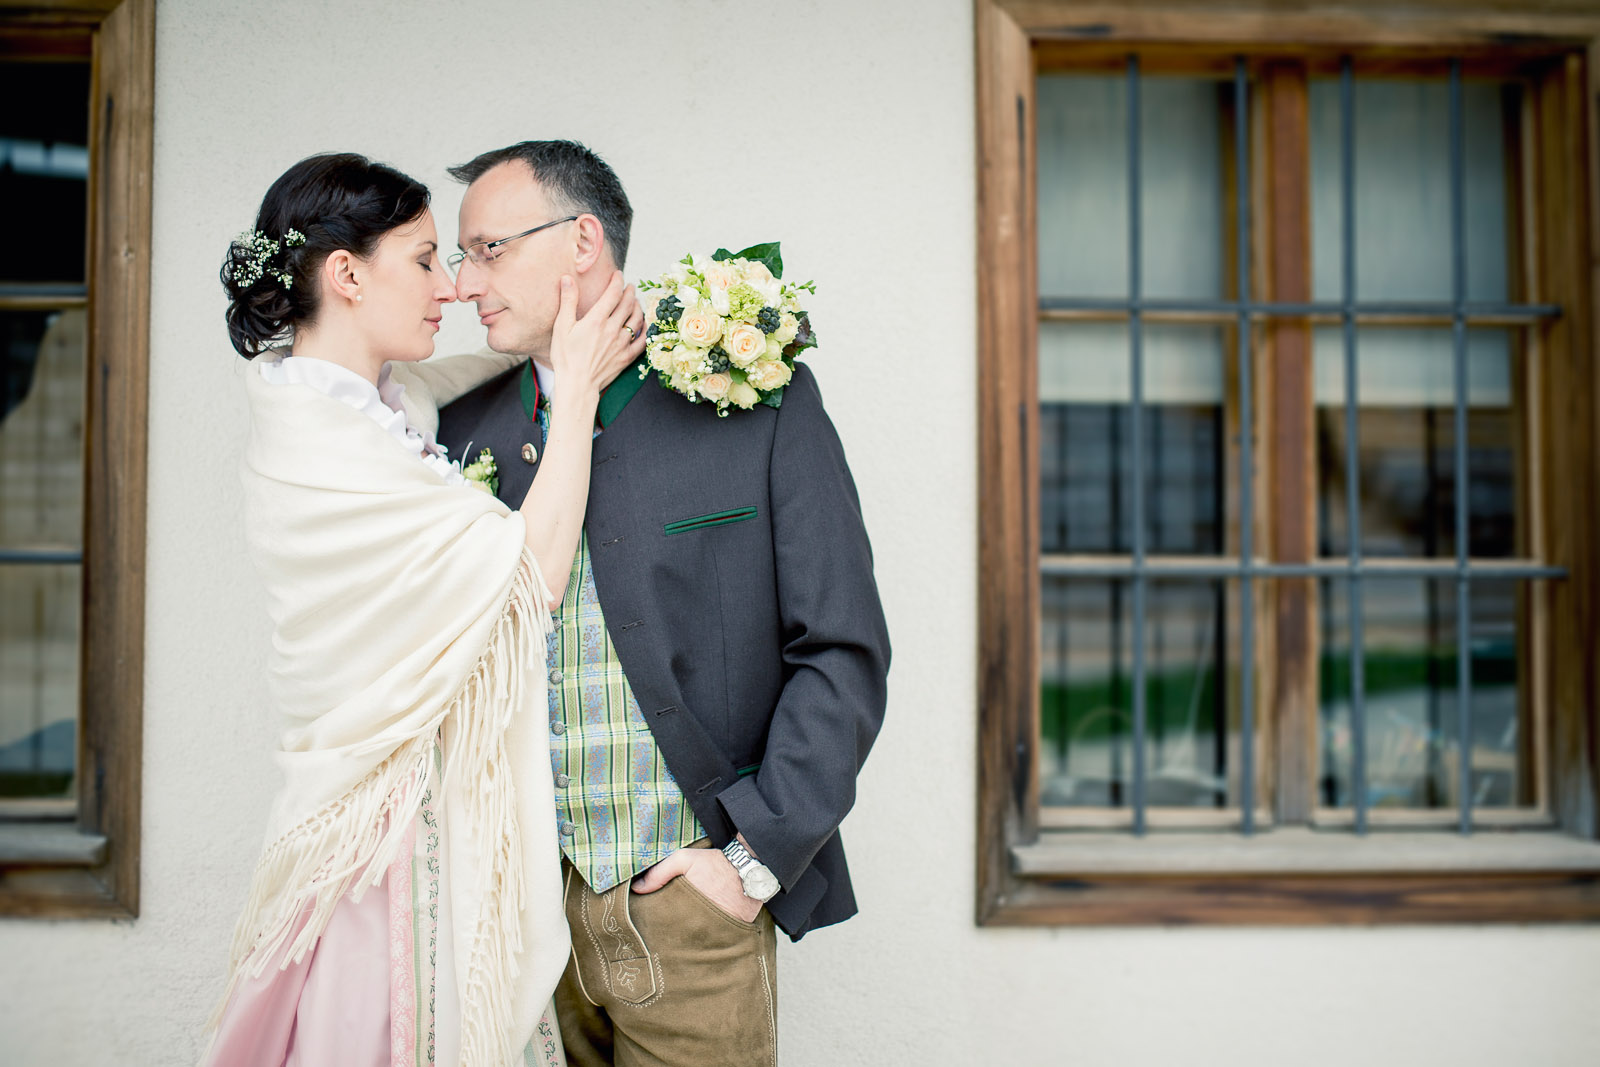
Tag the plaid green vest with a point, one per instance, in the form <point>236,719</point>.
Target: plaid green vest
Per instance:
<point>618,808</point>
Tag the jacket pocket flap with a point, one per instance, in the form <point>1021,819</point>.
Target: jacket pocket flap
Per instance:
<point>705,522</point>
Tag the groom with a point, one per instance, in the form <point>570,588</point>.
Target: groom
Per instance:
<point>717,670</point>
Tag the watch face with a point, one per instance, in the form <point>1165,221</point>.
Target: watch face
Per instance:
<point>760,884</point>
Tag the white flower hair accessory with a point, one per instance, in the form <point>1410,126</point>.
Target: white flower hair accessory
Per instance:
<point>254,255</point>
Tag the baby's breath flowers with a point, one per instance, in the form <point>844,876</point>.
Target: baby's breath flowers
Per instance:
<point>727,329</point>
<point>255,255</point>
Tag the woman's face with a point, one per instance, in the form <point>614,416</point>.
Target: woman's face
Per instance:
<point>404,292</point>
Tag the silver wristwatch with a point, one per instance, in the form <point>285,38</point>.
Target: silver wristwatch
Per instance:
<point>759,883</point>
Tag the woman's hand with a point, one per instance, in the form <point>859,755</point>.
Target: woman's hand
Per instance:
<point>588,353</point>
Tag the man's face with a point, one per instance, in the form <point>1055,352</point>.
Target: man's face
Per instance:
<point>518,292</point>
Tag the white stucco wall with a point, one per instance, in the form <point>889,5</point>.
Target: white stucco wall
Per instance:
<point>845,129</point>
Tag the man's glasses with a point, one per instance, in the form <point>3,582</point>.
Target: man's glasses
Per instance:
<point>482,253</point>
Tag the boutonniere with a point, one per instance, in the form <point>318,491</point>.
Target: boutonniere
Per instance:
<point>482,473</point>
<point>727,328</point>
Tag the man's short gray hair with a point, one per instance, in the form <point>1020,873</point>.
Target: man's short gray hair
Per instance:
<point>575,179</point>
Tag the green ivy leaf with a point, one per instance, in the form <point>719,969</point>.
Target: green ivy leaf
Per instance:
<point>767,253</point>
<point>774,399</point>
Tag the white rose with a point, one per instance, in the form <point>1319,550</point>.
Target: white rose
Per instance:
<point>661,357</point>
<point>715,386</point>
<point>682,383</point>
<point>719,274</point>
<point>745,344</point>
<point>768,374</point>
<point>774,349</point>
<point>700,325</point>
<point>720,277</point>
<point>688,295</point>
<point>762,281</point>
<point>788,326</point>
<point>686,361</point>
<point>741,395</point>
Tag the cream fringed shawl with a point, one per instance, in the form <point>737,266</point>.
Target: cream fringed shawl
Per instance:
<point>402,607</point>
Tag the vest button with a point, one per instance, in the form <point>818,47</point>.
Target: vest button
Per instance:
<point>568,829</point>
<point>562,781</point>
<point>558,728</point>
<point>529,453</point>
<point>555,677</point>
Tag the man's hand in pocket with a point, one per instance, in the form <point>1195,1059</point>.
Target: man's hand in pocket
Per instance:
<point>709,871</point>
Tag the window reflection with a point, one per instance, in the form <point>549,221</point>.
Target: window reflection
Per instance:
<point>1086,439</point>
<point>1406,435</point>
<point>1412,743</point>
<point>1402,188</point>
<point>1086,757</point>
<point>41,455</point>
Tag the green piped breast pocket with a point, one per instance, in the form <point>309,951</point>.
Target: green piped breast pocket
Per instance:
<point>706,522</point>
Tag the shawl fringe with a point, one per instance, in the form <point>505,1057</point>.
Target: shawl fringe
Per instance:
<point>349,845</point>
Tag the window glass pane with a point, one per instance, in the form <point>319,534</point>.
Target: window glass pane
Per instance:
<point>1406,433</point>
<point>1086,750</point>
<point>1083,186</point>
<point>38,679</point>
<point>1412,742</point>
<point>1085,438</point>
<point>41,508</point>
<point>41,428</point>
<point>44,163</point>
<point>1402,188</point>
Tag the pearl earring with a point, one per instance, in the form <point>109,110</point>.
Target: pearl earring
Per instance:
<point>358,297</point>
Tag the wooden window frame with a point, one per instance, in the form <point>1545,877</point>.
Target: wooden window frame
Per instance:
<point>88,866</point>
<point>1029,874</point>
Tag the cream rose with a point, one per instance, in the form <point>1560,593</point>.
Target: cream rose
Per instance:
<point>745,344</point>
<point>768,374</point>
<point>719,274</point>
<point>743,396</point>
<point>686,361</point>
<point>700,326</point>
<point>788,326</point>
<point>662,358</point>
<point>715,386</point>
<point>761,280</point>
<point>720,277</point>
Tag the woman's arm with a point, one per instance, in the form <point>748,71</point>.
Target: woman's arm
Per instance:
<point>585,354</point>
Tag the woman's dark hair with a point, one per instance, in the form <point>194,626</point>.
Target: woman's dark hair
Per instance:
<point>334,201</point>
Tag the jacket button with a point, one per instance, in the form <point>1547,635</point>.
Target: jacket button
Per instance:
<point>529,453</point>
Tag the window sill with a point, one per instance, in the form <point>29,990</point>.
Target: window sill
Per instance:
<point>1296,851</point>
<point>1297,877</point>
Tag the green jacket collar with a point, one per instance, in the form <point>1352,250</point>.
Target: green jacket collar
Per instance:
<point>612,401</point>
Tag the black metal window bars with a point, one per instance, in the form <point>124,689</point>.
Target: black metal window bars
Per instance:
<point>1354,569</point>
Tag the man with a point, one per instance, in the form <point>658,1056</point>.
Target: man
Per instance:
<point>719,661</point>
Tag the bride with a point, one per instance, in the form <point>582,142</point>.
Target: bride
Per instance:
<point>406,908</point>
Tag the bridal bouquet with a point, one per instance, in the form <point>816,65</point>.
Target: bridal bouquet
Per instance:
<point>727,329</point>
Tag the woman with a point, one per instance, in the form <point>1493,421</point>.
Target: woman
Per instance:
<point>407,906</point>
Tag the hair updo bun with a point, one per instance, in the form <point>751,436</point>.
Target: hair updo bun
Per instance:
<point>318,206</point>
